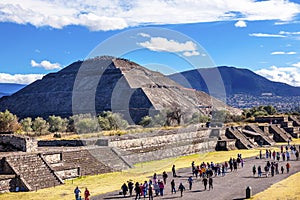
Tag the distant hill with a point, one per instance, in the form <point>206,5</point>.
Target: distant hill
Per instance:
<point>107,84</point>
<point>235,80</point>
<point>7,89</point>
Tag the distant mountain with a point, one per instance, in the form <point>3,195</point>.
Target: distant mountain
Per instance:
<point>7,89</point>
<point>235,80</point>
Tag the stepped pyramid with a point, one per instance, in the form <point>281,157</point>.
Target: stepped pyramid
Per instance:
<point>107,84</point>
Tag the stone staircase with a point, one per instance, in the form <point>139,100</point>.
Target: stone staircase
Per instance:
<point>295,120</point>
<point>280,135</point>
<point>242,142</point>
<point>265,136</point>
<point>85,161</point>
<point>33,171</point>
<point>111,157</point>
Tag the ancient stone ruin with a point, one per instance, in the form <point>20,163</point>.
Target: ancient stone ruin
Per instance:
<point>27,164</point>
<point>267,131</point>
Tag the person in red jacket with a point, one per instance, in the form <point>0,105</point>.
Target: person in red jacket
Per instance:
<point>86,194</point>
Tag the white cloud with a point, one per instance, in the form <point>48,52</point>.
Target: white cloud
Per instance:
<point>289,75</point>
<point>113,15</point>
<point>144,35</point>
<point>283,53</point>
<point>46,65</point>
<point>289,33</point>
<point>240,24</point>
<point>19,78</point>
<point>187,48</point>
<point>192,53</point>
<point>266,35</point>
<point>296,64</point>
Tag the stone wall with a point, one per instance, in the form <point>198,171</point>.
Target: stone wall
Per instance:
<point>21,143</point>
<point>158,140</point>
<point>173,151</point>
<point>6,182</point>
<point>53,158</point>
<point>68,173</point>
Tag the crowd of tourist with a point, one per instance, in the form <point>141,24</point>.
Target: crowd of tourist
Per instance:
<point>276,162</point>
<point>204,172</point>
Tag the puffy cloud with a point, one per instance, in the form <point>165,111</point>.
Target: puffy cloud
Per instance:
<point>188,48</point>
<point>289,75</point>
<point>240,24</point>
<point>296,64</point>
<point>19,78</point>
<point>266,35</point>
<point>112,15</point>
<point>283,53</point>
<point>46,65</point>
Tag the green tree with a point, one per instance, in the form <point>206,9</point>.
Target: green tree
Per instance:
<point>8,122</point>
<point>115,120</point>
<point>199,118</point>
<point>87,125</point>
<point>57,124</point>
<point>146,121</point>
<point>40,126</point>
<point>159,119</point>
<point>104,123</point>
<point>270,110</point>
<point>26,124</point>
<point>260,113</point>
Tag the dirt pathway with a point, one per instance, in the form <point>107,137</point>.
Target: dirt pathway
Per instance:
<point>231,186</point>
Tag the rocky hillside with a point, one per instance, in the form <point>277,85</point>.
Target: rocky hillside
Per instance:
<point>107,83</point>
<point>236,81</point>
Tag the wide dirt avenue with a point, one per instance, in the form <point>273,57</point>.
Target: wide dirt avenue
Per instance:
<point>231,186</point>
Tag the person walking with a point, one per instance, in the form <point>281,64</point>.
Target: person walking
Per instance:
<point>161,188</point>
<point>137,190</point>
<point>124,189</point>
<point>210,183</point>
<point>174,171</point>
<point>272,169</point>
<point>288,166</point>
<point>282,169</point>
<point>173,190</point>
<point>150,192</point>
<point>145,188</point>
<point>297,154</point>
<point>254,170</point>
<point>86,194</point>
<point>204,180</point>
<point>130,187</point>
<point>76,192</point>
<point>267,170</point>
<point>165,176</point>
<point>181,188</point>
<point>259,172</point>
<point>190,180</point>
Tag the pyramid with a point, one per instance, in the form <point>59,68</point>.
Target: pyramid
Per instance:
<point>107,84</point>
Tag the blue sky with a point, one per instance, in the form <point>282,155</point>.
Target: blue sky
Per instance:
<point>39,37</point>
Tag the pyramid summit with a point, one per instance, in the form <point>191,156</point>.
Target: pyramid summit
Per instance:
<point>107,83</point>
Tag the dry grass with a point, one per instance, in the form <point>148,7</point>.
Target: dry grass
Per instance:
<point>288,189</point>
